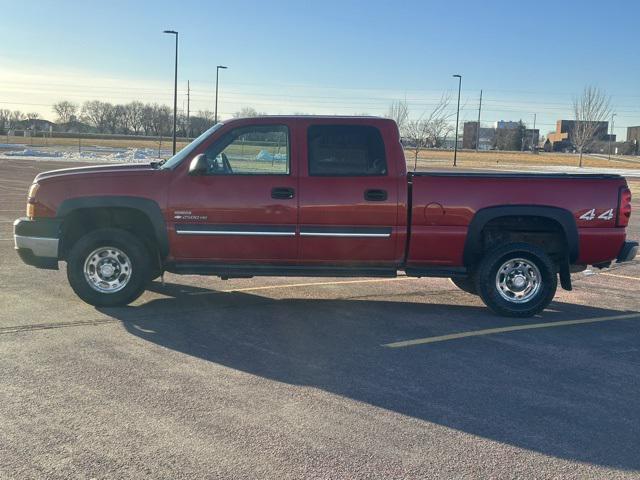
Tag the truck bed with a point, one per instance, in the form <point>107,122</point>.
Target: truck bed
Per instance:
<point>444,203</point>
<point>502,174</point>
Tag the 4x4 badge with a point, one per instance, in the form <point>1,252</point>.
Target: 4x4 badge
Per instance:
<point>591,214</point>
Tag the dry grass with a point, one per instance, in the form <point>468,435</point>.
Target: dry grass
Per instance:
<point>491,159</point>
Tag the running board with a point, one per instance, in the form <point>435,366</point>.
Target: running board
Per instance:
<point>247,271</point>
<point>442,272</point>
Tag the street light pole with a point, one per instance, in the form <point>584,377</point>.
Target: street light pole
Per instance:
<point>215,114</point>
<point>188,132</point>
<point>534,139</point>
<point>478,132</point>
<point>455,151</point>
<point>175,91</point>
<point>611,134</point>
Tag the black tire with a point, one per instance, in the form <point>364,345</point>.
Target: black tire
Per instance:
<point>466,284</point>
<point>487,280</point>
<point>128,244</point>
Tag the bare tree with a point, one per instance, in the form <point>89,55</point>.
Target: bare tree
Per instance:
<point>417,137</point>
<point>33,116</point>
<point>16,116</point>
<point>65,110</point>
<point>147,119</point>
<point>160,119</point>
<point>183,124</point>
<point>438,126</point>
<point>399,112</point>
<point>5,115</point>
<point>134,112</point>
<point>121,119</point>
<point>96,113</point>
<point>247,112</point>
<point>201,122</point>
<point>111,118</point>
<point>590,109</point>
<point>207,115</point>
<point>430,130</point>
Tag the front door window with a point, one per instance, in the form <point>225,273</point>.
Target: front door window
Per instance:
<point>254,150</point>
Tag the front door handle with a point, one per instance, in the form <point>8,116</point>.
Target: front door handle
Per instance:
<point>283,193</point>
<point>375,195</point>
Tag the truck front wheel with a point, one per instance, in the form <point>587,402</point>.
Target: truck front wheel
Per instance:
<point>108,267</point>
<point>516,280</point>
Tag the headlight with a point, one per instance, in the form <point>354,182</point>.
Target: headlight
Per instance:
<point>33,189</point>
<point>31,200</point>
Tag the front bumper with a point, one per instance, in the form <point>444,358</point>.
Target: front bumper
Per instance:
<point>628,252</point>
<point>37,241</point>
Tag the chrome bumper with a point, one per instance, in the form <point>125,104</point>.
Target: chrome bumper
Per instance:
<point>40,246</point>
<point>37,241</point>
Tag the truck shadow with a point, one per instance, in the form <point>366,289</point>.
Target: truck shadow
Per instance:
<point>570,393</point>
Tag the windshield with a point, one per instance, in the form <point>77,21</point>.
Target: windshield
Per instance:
<point>186,151</point>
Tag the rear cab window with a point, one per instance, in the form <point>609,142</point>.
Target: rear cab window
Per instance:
<point>346,150</point>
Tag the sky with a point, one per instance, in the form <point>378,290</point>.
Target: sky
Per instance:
<point>326,57</point>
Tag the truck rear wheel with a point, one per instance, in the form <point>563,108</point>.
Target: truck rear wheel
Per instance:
<point>466,284</point>
<point>108,267</point>
<point>516,280</point>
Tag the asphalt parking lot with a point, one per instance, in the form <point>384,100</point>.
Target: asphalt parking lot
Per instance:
<point>312,378</point>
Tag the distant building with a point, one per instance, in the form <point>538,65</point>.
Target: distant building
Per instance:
<point>561,138</point>
<point>506,125</point>
<point>33,126</point>
<point>503,135</point>
<point>486,140</point>
<point>75,126</point>
<point>633,139</point>
<point>449,143</point>
<point>531,138</point>
<point>633,134</point>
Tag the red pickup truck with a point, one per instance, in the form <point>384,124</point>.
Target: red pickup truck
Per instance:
<point>321,196</point>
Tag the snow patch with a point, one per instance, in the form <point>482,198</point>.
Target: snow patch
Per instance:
<point>98,155</point>
<point>27,152</point>
<point>269,157</point>
<point>133,155</point>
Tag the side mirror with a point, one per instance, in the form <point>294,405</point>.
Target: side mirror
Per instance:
<point>199,165</point>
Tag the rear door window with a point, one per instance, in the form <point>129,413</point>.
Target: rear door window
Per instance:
<point>345,150</point>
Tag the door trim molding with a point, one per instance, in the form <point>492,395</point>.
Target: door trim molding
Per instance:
<point>281,230</point>
<point>349,232</point>
<point>229,230</point>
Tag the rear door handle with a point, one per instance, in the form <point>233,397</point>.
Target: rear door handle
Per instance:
<point>282,193</point>
<point>375,195</point>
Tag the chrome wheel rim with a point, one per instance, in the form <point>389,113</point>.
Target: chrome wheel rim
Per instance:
<point>518,280</point>
<point>107,269</point>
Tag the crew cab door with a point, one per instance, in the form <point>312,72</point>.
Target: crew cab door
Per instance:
<point>244,207</point>
<point>348,195</point>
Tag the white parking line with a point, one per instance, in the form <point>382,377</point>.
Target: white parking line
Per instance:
<point>513,328</point>
<point>621,276</point>
<point>311,284</point>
